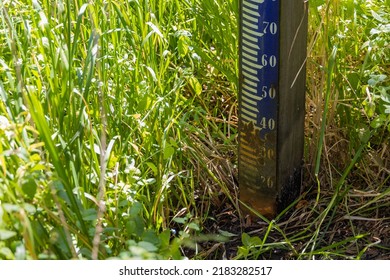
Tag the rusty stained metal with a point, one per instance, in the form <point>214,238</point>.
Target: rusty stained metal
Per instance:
<point>258,104</point>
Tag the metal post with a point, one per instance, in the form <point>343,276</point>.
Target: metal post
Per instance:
<point>271,102</point>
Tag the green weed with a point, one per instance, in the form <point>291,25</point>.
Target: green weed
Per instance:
<point>118,125</point>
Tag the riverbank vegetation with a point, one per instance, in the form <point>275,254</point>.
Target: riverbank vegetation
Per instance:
<point>118,133</point>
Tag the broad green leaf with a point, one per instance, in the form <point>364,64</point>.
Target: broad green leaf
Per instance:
<point>165,237</point>
<point>385,96</point>
<point>135,226</point>
<point>195,85</point>
<point>136,209</point>
<point>180,220</point>
<point>378,17</point>
<point>20,252</point>
<point>151,237</point>
<point>89,214</point>
<point>10,208</point>
<point>194,226</point>
<point>152,166</point>
<point>182,46</point>
<point>255,240</point>
<point>6,234</point>
<point>31,209</point>
<point>168,152</point>
<point>364,134</point>
<point>245,238</point>
<point>7,253</point>
<point>147,246</point>
<point>378,122</point>
<point>370,109</point>
<point>376,79</point>
<point>29,187</point>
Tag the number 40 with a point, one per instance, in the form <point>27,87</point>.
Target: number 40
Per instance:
<point>270,124</point>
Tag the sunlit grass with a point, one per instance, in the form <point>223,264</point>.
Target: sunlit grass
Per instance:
<point>108,95</point>
<point>118,130</point>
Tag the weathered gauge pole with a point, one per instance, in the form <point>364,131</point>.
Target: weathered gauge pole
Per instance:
<point>271,102</point>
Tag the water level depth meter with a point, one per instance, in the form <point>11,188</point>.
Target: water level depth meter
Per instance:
<point>271,102</point>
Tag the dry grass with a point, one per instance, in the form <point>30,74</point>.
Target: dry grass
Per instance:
<point>343,211</point>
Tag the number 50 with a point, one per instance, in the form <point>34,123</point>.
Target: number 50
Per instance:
<point>271,92</point>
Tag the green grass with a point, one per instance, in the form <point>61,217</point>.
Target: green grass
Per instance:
<point>118,125</point>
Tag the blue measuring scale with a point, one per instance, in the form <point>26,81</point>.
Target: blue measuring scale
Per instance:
<point>258,103</point>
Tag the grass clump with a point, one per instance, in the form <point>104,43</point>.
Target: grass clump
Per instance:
<point>118,125</point>
<point>100,103</point>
